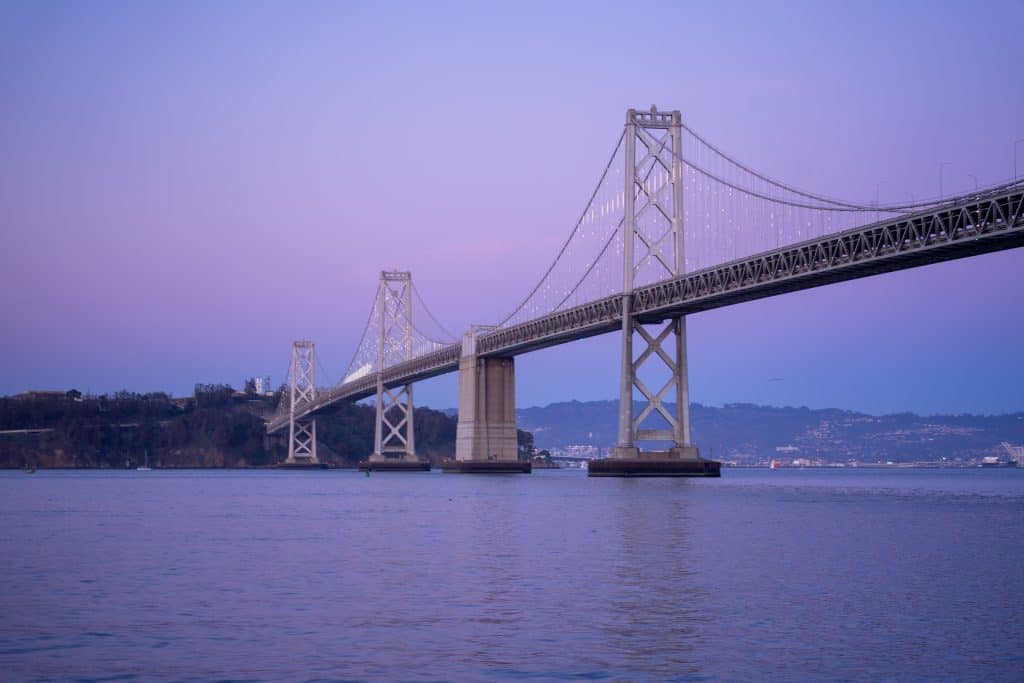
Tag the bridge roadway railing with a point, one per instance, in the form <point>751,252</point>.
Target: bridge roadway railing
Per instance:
<point>984,222</point>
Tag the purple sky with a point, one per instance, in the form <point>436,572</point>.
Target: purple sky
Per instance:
<point>185,188</point>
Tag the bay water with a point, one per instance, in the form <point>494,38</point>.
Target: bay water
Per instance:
<point>787,575</point>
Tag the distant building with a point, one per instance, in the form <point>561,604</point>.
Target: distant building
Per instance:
<point>259,385</point>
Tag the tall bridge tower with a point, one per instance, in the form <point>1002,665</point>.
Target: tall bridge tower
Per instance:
<point>302,430</point>
<point>394,441</point>
<point>653,242</point>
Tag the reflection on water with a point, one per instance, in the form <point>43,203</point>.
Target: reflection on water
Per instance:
<point>654,589</point>
<point>552,576</point>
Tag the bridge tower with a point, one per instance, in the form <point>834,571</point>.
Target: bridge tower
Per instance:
<point>302,430</point>
<point>653,250</point>
<point>394,445</point>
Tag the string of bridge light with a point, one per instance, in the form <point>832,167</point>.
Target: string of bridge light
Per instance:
<point>411,341</point>
<point>587,217</point>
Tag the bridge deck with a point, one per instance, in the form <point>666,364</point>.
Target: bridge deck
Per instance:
<point>986,222</point>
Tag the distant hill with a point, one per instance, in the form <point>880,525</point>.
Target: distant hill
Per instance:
<point>748,433</point>
<point>218,427</point>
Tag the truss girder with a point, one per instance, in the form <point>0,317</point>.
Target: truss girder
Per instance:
<point>881,244</point>
<point>982,224</point>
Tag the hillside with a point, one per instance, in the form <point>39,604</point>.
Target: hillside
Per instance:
<point>217,427</point>
<point>747,433</point>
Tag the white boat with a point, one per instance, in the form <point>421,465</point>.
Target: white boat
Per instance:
<point>146,467</point>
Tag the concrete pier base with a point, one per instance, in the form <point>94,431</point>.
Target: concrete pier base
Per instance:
<point>487,466</point>
<point>394,465</point>
<point>300,465</point>
<point>681,461</point>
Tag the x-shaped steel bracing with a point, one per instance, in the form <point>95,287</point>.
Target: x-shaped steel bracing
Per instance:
<point>655,401</point>
<point>395,440</point>
<point>648,187</point>
<point>303,441</point>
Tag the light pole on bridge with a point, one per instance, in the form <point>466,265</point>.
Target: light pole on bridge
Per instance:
<point>1015,143</point>
<point>942,166</point>
<point>878,186</point>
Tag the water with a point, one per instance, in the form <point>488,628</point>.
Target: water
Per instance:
<point>786,575</point>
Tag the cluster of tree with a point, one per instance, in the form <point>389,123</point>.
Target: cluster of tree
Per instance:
<point>46,411</point>
<point>213,395</point>
<point>525,442</point>
<point>214,428</point>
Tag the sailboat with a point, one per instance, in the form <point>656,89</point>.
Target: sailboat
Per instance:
<point>146,467</point>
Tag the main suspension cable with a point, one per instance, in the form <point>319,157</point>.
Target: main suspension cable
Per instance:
<point>572,234</point>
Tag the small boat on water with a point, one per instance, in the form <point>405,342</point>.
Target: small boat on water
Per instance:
<point>146,467</point>
<point>29,469</point>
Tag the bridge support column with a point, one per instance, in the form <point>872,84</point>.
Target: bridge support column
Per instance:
<point>681,458</point>
<point>302,429</point>
<point>302,442</point>
<point>485,440</point>
<point>394,447</point>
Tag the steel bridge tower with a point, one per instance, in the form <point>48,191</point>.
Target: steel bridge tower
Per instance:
<point>652,251</point>
<point>394,440</point>
<point>302,430</point>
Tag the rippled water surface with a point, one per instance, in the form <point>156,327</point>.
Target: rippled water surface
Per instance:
<point>761,575</point>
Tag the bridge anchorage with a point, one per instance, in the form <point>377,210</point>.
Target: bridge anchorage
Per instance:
<point>302,392</point>
<point>653,251</point>
<point>394,442</point>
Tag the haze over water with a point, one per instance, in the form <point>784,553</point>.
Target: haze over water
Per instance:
<point>761,575</point>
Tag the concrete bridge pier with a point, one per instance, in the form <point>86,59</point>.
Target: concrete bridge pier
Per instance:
<point>485,439</point>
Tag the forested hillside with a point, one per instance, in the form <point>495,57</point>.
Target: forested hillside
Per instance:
<point>217,427</point>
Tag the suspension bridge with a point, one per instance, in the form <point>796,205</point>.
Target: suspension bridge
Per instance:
<point>674,226</point>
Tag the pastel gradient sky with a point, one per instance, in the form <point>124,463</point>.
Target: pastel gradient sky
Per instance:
<point>185,187</point>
